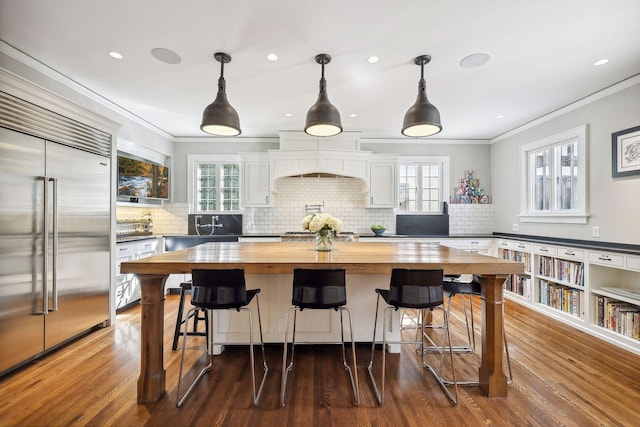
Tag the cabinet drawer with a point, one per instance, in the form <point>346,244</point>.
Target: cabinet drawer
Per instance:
<point>124,250</point>
<point>568,253</point>
<point>606,258</point>
<point>522,247</point>
<point>505,244</point>
<point>120,260</point>
<point>633,262</point>
<point>146,246</point>
<point>544,250</point>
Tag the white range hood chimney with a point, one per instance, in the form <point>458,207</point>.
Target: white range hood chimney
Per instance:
<point>304,155</point>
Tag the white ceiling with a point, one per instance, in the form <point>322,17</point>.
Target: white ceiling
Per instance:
<point>542,55</point>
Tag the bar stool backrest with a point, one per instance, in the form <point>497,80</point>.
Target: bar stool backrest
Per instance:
<point>416,288</point>
<point>218,289</point>
<point>319,288</point>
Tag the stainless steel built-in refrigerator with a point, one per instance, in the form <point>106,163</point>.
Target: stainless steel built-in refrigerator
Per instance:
<point>54,244</point>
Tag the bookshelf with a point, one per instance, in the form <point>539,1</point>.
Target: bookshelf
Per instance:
<point>592,290</point>
<point>615,286</point>
<point>517,286</point>
<point>559,279</point>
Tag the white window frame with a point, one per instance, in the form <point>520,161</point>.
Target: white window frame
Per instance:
<point>445,168</point>
<point>579,214</point>
<point>192,160</point>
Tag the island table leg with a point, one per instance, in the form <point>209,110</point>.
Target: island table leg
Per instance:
<point>151,383</point>
<point>493,381</point>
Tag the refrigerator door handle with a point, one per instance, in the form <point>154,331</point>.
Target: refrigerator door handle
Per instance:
<point>54,270</point>
<point>45,244</point>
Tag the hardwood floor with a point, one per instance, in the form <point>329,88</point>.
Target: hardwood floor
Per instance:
<point>561,377</point>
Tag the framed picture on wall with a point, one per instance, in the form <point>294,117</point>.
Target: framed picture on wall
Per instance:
<point>625,152</point>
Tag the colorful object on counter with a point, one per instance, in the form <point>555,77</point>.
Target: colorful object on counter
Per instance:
<point>469,191</point>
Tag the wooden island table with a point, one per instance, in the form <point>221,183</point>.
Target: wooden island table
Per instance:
<point>371,260</point>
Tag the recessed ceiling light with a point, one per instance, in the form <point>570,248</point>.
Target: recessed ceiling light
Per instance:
<point>165,55</point>
<point>601,62</point>
<point>373,59</point>
<point>116,55</point>
<point>499,116</point>
<point>288,114</point>
<point>272,57</point>
<point>353,115</point>
<point>475,60</point>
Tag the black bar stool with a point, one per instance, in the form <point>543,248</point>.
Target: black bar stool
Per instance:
<point>185,288</point>
<point>222,290</point>
<point>414,289</point>
<point>319,289</point>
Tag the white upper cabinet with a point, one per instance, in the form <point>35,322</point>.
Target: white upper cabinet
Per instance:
<point>255,180</point>
<point>382,181</point>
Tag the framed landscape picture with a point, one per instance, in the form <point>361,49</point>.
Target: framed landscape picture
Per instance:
<point>625,152</point>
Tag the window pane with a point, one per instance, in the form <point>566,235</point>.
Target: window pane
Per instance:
<point>542,180</point>
<point>566,176</point>
<point>431,191</point>
<point>230,188</point>
<point>408,188</point>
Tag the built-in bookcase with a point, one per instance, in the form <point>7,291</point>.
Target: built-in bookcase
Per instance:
<point>518,286</point>
<point>615,286</point>
<point>598,292</point>
<point>560,281</point>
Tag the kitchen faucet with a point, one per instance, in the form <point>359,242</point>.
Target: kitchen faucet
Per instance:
<point>212,226</point>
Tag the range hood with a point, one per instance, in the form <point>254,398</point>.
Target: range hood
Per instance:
<point>307,156</point>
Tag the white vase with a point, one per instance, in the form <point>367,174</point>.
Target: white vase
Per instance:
<point>324,240</point>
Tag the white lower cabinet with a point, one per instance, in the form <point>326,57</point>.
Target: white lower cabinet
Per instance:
<point>592,290</point>
<point>127,287</point>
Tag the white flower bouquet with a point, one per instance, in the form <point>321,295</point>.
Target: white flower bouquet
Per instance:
<point>319,222</point>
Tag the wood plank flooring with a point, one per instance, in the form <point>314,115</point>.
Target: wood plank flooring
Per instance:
<point>561,377</point>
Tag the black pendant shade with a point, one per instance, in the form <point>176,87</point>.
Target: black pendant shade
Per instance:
<point>423,118</point>
<point>323,118</point>
<point>220,118</point>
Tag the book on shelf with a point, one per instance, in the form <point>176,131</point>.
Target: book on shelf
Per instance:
<point>618,316</point>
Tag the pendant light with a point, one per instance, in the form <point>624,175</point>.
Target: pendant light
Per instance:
<point>423,118</point>
<point>323,118</point>
<point>220,118</point>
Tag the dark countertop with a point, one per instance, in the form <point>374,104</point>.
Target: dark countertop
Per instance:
<point>585,244</point>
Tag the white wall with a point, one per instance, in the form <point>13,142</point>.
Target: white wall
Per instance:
<point>614,204</point>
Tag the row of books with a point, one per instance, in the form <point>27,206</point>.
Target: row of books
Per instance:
<point>560,297</point>
<point>518,284</point>
<point>523,257</point>
<point>568,271</point>
<point>618,316</point>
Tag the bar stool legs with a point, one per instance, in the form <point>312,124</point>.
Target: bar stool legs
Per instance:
<point>185,288</point>
<point>379,392</point>
<point>470,348</point>
<point>257,389</point>
<point>288,367</point>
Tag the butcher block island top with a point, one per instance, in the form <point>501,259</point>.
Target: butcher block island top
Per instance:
<point>283,257</point>
<point>358,259</point>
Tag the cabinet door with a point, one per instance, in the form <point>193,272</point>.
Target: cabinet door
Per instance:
<point>255,183</point>
<point>382,185</point>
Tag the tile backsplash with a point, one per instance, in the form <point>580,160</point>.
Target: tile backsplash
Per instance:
<point>342,198</point>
